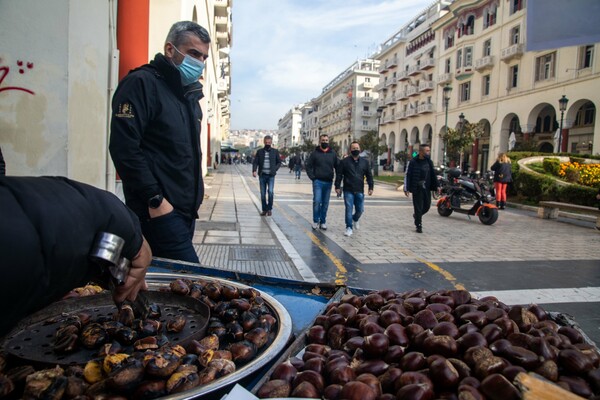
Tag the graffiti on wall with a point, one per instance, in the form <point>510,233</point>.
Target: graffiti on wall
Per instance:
<point>5,70</point>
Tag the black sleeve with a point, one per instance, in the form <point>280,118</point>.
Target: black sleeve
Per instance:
<point>255,162</point>
<point>339,174</point>
<point>369,175</point>
<point>309,167</point>
<point>48,229</point>
<point>132,110</point>
<point>2,164</point>
<point>277,160</point>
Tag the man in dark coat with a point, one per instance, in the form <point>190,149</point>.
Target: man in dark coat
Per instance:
<point>354,170</point>
<point>266,163</point>
<point>49,226</point>
<point>155,141</point>
<point>420,180</point>
<point>2,164</point>
<point>320,168</point>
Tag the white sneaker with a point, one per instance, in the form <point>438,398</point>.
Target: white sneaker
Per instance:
<point>348,232</point>
<point>315,225</point>
<point>324,227</point>
<point>356,225</point>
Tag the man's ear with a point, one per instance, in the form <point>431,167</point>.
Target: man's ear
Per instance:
<point>169,50</point>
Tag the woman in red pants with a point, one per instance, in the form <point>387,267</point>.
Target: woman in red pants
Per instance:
<point>502,177</point>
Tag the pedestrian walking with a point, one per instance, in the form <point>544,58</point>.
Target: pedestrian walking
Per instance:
<point>320,168</point>
<point>502,177</point>
<point>420,180</point>
<point>297,160</point>
<point>155,141</point>
<point>353,171</point>
<point>291,163</point>
<point>266,163</point>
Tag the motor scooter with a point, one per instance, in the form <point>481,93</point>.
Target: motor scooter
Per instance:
<point>464,191</point>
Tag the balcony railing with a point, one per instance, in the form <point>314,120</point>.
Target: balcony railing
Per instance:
<point>379,86</point>
<point>402,75</point>
<point>412,90</point>
<point>368,85</point>
<point>401,94</point>
<point>383,67</point>
<point>380,102</point>
<point>484,63</point>
<point>425,108</point>
<point>427,63</point>
<point>393,63</point>
<point>514,51</point>
<point>367,99</point>
<point>411,111</point>
<point>366,114</point>
<point>425,86</point>
<point>390,99</point>
<point>444,78</point>
<point>413,70</point>
<point>367,128</point>
<point>401,115</point>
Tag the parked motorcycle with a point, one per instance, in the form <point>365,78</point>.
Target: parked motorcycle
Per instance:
<point>442,183</point>
<point>463,192</point>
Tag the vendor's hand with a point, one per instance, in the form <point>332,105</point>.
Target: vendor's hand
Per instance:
<point>254,174</point>
<point>164,208</point>
<point>370,192</point>
<point>136,280</point>
<point>338,191</point>
<point>406,193</point>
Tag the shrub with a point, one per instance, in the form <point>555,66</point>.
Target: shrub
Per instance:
<point>576,194</point>
<point>551,165</point>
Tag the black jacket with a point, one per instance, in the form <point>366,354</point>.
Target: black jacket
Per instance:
<point>502,172</point>
<point>2,164</point>
<point>155,138</point>
<point>413,177</point>
<point>274,159</point>
<point>322,164</point>
<point>47,231</point>
<point>354,174</point>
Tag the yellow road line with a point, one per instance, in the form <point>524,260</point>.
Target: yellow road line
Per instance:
<point>447,275</point>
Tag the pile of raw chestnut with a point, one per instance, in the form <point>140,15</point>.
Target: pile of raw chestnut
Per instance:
<point>420,345</point>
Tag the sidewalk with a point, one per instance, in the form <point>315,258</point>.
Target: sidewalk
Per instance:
<point>231,235</point>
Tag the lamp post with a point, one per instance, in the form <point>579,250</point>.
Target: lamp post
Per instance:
<point>447,90</point>
<point>562,104</point>
<point>376,166</point>
<point>461,119</point>
<point>349,138</point>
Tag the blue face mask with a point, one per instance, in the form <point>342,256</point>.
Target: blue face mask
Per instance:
<point>190,68</point>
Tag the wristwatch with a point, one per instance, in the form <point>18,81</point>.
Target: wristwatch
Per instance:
<point>155,201</point>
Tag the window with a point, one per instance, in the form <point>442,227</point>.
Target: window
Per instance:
<point>365,122</point>
<point>515,34</point>
<point>587,56</point>
<point>459,59</point>
<point>585,115</point>
<point>467,27</point>
<point>486,85</point>
<point>448,65</point>
<point>465,91</point>
<point>544,67</point>
<point>487,47</point>
<point>489,16</point>
<point>367,79</point>
<point>514,76</point>
<point>365,108</point>
<point>449,40</point>
<point>468,56</point>
<point>516,5</point>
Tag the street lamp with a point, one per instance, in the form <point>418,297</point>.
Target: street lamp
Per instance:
<point>562,104</point>
<point>349,138</point>
<point>376,166</point>
<point>461,119</point>
<point>285,143</point>
<point>447,90</point>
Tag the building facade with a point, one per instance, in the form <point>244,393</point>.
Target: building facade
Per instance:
<point>475,50</point>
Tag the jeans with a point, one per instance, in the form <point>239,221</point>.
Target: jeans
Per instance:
<point>421,203</point>
<point>170,236</point>
<point>266,185</point>
<point>321,193</point>
<point>298,171</point>
<point>356,201</point>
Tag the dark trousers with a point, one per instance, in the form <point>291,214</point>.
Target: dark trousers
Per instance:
<point>421,203</point>
<point>266,188</point>
<point>170,236</point>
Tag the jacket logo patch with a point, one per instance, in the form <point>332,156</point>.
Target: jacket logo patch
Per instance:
<point>125,111</point>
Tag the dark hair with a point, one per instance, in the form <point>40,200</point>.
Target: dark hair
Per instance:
<point>422,146</point>
<point>267,138</point>
<point>354,141</point>
<point>323,135</point>
<point>180,30</point>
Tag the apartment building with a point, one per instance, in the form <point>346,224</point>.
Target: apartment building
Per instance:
<point>475,49</point>
<point>347,106</point>
<point>289,128</point>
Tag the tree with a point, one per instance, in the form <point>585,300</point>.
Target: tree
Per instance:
<point>460,139</point>
<point>371,144</point>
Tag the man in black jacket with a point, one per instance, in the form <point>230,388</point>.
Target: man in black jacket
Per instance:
<point>320,168</point>
<point>155,141</point>
<point>420,180</point>
<point>354,170</point>
<point>2,164</point>
<point>49,226</point>
<point>266,162</point>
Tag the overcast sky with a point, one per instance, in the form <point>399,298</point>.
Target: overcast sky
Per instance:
<point>285,51</point>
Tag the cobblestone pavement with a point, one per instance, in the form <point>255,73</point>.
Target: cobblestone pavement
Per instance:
<point>554,262</point>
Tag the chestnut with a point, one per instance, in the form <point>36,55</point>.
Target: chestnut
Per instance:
<point>347,310</point>
<point>274,389</point>
<point>411,377</point>
<point>471,339</point>
<point>446,328</point>
<point>332,392</point>
<point>357,391</point>
<point>312,377</point>
<point>548,370</point>
<point>352,299</point>
<point>388,378</point>
<point>336,319</point>
<point>524,319</point>
<point>353,343</point>
<point>497,387</point>
<point>442,344</point>
<point>426,318</point>
<point>389,317</point>
<point>415,391</point>
<point>460,296</point>
<point>374,301</point>
<point>576,385</point>
<point>375,367</point>
<point>443,374</point>
<point>314,364</point>
<point>572,333</point>
<point>306,390</point>
<point>317,334</point>
<point>371,381</point>
<point>413,361</point>
<point>461,367</point>
<point>414,304</point>
<point>318,348</point>
<point>492,332</point>
<point>394,354</point>
<point>342,375</point>
<point>376,345</point>
<point>574,361</point>
<point>475,317</point>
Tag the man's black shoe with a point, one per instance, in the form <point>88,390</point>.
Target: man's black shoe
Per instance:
<point>263,213</point>
<point>269,213</point>
<point>419,229</point>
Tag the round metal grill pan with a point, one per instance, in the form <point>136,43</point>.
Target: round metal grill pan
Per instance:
<point>32,339</point>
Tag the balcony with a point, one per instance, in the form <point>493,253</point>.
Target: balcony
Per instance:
<point>393,63</point>
<point>379,86</point>
<point>368,85</point>
<point>367,128</point>
<point>401,115</point>
<point>221,21</point>
<point>444,78</point>
<point>367,99</point>
<point>221,3</point>
<point>412,91</point>
<point>411,112</point>
<point>366,114</point>
<point>427,63</point>
<point>402,76</point>
<point>380,102</point>
<point>425,86</point>
<point>484,63</point>
<point>514,51</point>
<point>460,72</point>
<point>383,67</point>
<point>391,82</point>
<point>401,94</point>
<point>413,70</point>
<point>390,99</point>
<point>425,108</point>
